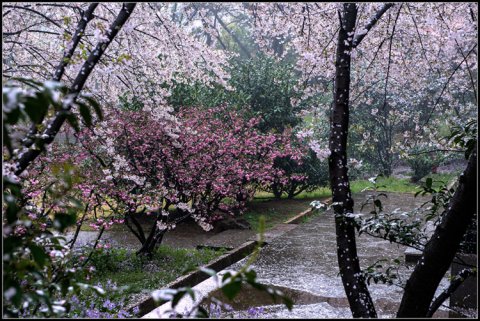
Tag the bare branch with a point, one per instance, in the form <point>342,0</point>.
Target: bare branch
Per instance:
<point>373,20</point>
<point>447,82</point>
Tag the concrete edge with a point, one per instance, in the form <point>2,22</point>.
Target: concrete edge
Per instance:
<point>198,276</point>
<point>297,219</point>
<point>220,263</point>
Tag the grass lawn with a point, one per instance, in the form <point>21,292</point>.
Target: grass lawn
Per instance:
<point>123,267</point>
<point>402,185</point>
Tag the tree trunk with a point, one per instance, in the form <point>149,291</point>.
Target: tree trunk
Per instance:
<point>356,290</point>
<point>441,248</point>
<point>154,239</point>
<point>277,192</point>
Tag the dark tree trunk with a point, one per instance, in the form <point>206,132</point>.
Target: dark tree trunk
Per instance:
<point>356,290</point>
<point>440,250</point>
<point>153,240</point>
<point>277,192</point>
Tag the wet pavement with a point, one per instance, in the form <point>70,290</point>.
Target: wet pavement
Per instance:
<point>301,260</point>
<point>304,259</point>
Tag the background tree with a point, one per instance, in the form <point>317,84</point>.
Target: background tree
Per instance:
<point>394,40</point>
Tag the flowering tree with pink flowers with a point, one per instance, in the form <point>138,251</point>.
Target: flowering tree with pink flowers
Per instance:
<point>135,165</point>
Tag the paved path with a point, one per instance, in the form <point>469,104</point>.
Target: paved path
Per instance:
<point>304,259</point>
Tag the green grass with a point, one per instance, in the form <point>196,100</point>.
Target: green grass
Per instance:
<point>386,184</point>
<point>401,185</point>
<point>390,184</point>
<point>124,268</point>
<point>320,192</point>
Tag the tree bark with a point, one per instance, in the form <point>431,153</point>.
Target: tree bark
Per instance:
<point>442,247</point>
<point>356,289</point>
<point>277,191</point>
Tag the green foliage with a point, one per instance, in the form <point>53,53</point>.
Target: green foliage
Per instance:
<point>421,163</point>
<point>137,273</point>
<point>386,274</point>
<point>316,173</point>
<point>38,100</point>
<point>441,196</point>
<point>133,104</point>
<point>36,272</point>
<point>261,86</point>
<point>199,95</point>
<point>35,261</point>
<point>465,137</point>
<point>399,227</point>
<point>267,87</point>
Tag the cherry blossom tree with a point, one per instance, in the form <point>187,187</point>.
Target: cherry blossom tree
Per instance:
<point>149,167</point>
<point>77,35</point>
<point>375,44</point>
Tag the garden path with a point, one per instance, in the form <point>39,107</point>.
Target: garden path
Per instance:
<point>302,262</point>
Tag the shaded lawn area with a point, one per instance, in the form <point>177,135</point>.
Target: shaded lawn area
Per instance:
<point>137,274</point>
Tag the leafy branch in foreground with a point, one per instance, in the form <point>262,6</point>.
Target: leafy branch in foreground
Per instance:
<point>36,269</point>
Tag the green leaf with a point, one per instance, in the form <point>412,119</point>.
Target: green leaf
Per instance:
<point>429,182</point>
<point>36,107</point>
<point>251,275</point>
<point>95,105</point>
<point>39,255</point>
<point>288,302</point>
<point>63,220</point>
<point>232,288</point>
<point>72,120</point>
<point>13,115</point>
<point>226,276</point>
<point>85,112</point>
<point>177,297</point>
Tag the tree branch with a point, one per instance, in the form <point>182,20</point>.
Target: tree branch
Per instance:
<point>454,284</point>
<point>370,24</point>
<point>447,82</point>
<point>52,129</point>
<point>60,69</point>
